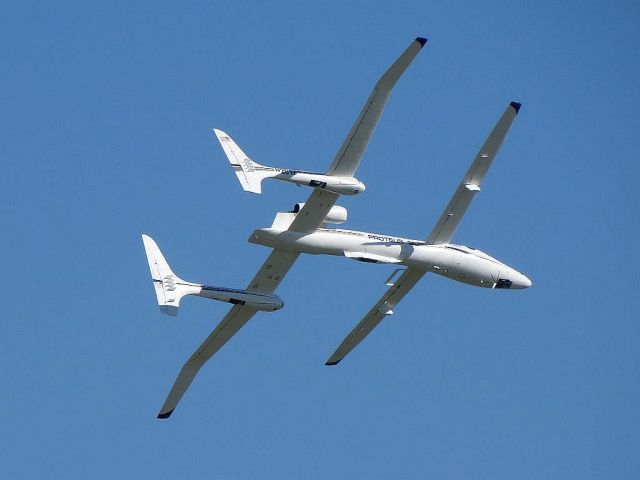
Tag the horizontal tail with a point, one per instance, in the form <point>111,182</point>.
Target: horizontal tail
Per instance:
<point>168,286</point>
<point>249,173</point>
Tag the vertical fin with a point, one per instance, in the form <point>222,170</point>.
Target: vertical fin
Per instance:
<point>249,173</point>
<point>168,286</point>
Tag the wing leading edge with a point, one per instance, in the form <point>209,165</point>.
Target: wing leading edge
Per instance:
<point>383,308</point>
<point>350,153</point>
<point>348,157</point>
<point>266,280</point>
<point>470,185</point>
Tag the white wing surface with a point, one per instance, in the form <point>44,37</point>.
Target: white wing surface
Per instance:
<point>307,220</point>
<point>470,185</point>
<point>315,209</point>
<point>266,280</point>
<point>348,157</point>
<point>353,147</point>
<point>383,308</point>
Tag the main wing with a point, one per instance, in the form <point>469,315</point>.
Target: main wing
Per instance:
<point>383,308</point>
<point>353,147</point>
<point>348,157</point>
<point>265,281</point>
<point>307,220</point>
<point>470,185</point>
<point>442,233</point>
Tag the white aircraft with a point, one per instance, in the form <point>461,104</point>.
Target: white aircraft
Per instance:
<point>170,288</point>
<point>251,173</point>
<point>302,230</point>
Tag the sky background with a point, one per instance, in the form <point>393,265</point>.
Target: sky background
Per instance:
<point>106,132</point>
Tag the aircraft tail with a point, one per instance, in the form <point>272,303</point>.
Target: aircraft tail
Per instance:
<point>249,173</point>
<point>168,286</point>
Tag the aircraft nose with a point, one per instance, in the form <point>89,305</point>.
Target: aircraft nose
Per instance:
<point>522,281</point>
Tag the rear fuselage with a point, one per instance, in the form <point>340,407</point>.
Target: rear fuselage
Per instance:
<point>457,262</point>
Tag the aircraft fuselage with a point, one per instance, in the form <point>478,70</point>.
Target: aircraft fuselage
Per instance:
<point>457,262</point>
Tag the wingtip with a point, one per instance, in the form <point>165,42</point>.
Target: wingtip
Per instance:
<point>331,364</point>
<point>169,310</point>
<point>165,415</point>
<point>421,41</point>
<point>516,106</point>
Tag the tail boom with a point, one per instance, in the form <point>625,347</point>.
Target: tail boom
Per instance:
<point>250,174</point>
<point>170,288</point>
<point>259,301</point>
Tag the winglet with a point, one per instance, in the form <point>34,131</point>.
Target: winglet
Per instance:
<point>516,106</point>
<point>421,41</point>
<point>331,364</point>
<point>165,415</point>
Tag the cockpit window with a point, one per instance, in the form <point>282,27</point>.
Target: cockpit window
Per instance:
<point>503,283</point>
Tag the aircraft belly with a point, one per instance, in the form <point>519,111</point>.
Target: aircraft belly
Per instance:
<point>328,243</point>
<point>452,264</point>
<point>440,259</point>
<point>393,251</point>
<point>317,243</point>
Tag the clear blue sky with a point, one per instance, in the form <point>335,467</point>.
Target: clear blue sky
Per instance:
<point>107,112</point>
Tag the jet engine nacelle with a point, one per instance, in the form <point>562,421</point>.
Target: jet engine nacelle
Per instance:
<point>336,215</point>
